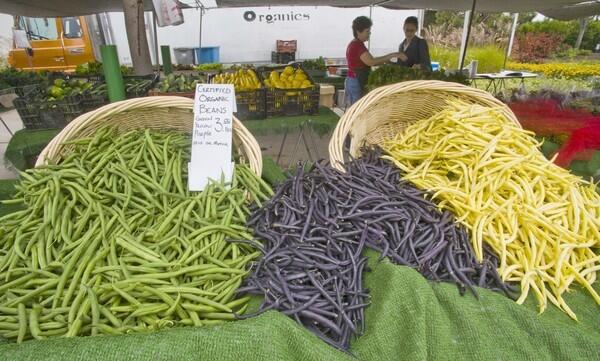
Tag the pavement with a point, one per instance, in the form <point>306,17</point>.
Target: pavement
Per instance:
<point>10,122</point>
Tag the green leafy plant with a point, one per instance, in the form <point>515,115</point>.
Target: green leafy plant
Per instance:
<point>390,74</point>
<point>95,68</point>
<point>209,67</point>
<point>315,64</point>
<point>182,83</point>
<point>10,77</point>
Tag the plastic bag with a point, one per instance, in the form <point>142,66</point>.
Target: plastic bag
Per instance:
<point>168,12</point>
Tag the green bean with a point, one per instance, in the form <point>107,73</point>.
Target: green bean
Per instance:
<point>34,327</point>
<point>50,284</point>
<point>109,316</point>
<point>95,310</point>
<point>149,310</point>
<point>15,283</point>
<point>204,301</point>
<point>51,325</point>
<point>23,323</point>
<point>138,250</point>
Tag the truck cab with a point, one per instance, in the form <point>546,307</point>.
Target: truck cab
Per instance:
<point>57,44</point>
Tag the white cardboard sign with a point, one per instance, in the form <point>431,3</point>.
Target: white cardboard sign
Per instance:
<point>214,105</point>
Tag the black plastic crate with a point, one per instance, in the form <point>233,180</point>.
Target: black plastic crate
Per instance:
<point>293,101</point>
<point>282,58</point>
<point>251,104</point>
<point>299,101</point>
<point>91,101</point>
<point>37,114</point>
<point>143,84</point>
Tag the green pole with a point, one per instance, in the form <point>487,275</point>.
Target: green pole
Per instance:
<point>165,51</point>
<point>112,73</point>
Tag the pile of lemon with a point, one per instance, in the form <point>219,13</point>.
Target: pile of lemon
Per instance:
<point>242,79</point>
<point>289,78</point>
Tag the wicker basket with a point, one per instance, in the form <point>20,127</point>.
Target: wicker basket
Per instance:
<point>159,112</point>
<point>388,110</point>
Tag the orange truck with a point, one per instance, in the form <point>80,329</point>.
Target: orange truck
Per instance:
<point>57,44</point>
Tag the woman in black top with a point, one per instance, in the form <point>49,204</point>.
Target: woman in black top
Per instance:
<point>414,47</point>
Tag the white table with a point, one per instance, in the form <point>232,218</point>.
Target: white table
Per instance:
<point>497,80</point>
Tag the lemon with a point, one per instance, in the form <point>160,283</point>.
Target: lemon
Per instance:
<point>288,70</point>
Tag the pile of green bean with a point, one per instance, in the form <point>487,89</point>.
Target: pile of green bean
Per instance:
<point>110,241</point>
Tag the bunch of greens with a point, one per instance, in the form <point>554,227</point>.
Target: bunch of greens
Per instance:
<point>315,64</point>
<point>390,74</point>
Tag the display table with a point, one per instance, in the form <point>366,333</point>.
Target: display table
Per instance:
<point>25,145</point>
<point>496,81</point>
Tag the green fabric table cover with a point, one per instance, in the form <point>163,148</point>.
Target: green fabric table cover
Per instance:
<point>26,144</point>
<point>7,190</point>
<point>409,318</point>
<point>321,123</point>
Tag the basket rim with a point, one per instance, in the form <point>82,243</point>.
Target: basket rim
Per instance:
<point>348,119</point>
<point>248,145</point>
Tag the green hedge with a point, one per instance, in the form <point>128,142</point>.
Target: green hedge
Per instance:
<point>568,29</point>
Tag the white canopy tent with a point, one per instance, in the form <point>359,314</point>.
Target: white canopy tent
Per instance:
<point>482,5</point>
<point>560,9</point>
<point>51,8</point>
<point>577,11</point>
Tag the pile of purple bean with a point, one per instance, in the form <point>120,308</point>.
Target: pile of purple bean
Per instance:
<point>316,225</point>
<point>310,270</point>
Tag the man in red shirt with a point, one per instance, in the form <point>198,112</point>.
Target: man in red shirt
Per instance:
<point>360,60</point>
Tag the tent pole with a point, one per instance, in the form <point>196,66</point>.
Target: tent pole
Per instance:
<point>421,16</point>
<point>466,34</point>
<point>583,23</point>
<point>511,40</point>
<point>370,17</point>
<point>155,30</point>
<point>200,35</point>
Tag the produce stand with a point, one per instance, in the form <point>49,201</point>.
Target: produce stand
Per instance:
<point>117,257</point>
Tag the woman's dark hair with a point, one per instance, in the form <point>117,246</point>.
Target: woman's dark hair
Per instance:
<point>412,20</point>
<point>360,24</point>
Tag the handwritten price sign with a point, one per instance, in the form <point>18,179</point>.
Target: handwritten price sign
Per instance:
<point>214,106</point>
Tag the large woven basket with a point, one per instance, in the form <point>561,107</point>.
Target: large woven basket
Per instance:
<point>158,112</point>
<point>388,110</point>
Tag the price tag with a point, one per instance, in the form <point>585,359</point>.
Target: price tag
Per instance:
<point>214,105</point>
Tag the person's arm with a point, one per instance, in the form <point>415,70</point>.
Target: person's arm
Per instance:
<point>424,55</point>
<point>368,59</point>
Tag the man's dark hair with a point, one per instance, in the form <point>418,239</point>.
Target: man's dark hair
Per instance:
<point>412,20</point>
<point>360,24</point>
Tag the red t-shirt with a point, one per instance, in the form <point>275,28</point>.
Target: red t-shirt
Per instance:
<point>353,52</point>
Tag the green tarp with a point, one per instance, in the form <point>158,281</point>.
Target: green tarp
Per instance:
<point>25,145</point>
<point>409,319</point>
<point>7,190</point>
